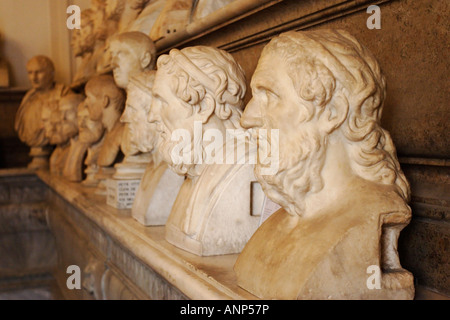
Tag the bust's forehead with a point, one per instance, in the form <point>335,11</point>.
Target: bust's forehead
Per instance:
<point>34,64</point>
<point>268,66</point>
<point>115,44</point>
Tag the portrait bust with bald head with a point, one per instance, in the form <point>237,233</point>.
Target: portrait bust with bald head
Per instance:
<point>105,103</point>
<point>133,54</point>
<point>83,43</point>
<point>343,194</point>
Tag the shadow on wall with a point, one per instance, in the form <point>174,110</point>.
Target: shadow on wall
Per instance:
<point>13,153</point>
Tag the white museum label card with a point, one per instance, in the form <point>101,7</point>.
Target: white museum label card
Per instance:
<point>121,193</point>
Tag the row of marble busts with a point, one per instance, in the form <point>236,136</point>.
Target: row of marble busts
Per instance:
<point>342,193</point>
<point>107,18</point>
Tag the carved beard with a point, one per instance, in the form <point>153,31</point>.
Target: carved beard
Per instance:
<point>143,136</point>
<point>91,132</point>
<point>165,148</point>
<point>63,132</point>
<point>301,161</point>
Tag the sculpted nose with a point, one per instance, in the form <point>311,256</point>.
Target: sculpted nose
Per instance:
<point>152,114</point>
<point>251,117</point>
<point>125,118</point>
<point>55,117</point>
<point>113,59</point>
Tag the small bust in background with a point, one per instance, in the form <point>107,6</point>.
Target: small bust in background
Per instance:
<point>124,12</point>
<point>86,148</point>
<point>133,54</point>
<point>44,93</point>
<point>105,102</point>
<point>143,135</point>
<point>60,126</point>
<point>83,43</point>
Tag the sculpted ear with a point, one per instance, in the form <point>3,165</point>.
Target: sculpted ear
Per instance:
<point>145,60</point>
<point>207,107</point>
<point>105,102</point>
<point>335,113</point>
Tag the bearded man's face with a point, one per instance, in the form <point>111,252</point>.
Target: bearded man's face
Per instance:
<point>277,105</point>
<point>90,131</point>
<point>171,116</point>
<point>143,133</point>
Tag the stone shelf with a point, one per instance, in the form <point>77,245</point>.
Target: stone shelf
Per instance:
<point>193,276</point>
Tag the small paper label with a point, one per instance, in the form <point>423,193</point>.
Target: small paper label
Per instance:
<point>121,193</point>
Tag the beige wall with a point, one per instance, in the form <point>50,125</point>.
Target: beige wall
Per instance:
<point>31,27</point>
<point>25,26</point>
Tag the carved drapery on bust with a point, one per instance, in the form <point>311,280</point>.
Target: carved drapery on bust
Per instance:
<point>205,7</point>
<point>203,86</point>
<point>159,19</point>
<point>147,16</point>
<point>343,194</point>
<point>83,44</point>
<point>174,16</point>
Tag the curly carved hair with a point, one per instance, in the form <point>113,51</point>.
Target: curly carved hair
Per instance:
<point>226,88</point>
<point>104,86</point>
<point>344,65</point>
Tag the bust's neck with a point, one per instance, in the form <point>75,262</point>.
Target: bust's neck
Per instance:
<point>217,125</point>
<point>110,118</point>
<point>47,88</point>
<point>337,177</point>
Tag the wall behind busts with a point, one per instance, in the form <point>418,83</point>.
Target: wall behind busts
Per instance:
<point>26,28</point>
<point>29,28</point>
<point>32,27</point>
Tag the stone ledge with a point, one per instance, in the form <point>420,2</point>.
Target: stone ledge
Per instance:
<point>196,277</point>
<point>133,249</point>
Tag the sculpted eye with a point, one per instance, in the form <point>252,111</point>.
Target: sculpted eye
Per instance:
<point>162,102</point>
<point>265,92</point>
<point>272,94</point>
<point>259,92</point>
